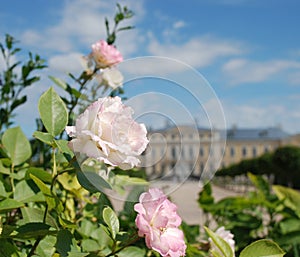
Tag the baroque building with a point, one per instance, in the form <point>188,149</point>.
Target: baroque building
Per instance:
<point>181,152</point>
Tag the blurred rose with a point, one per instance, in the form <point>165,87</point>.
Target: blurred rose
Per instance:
<point>105,55</point>
<point>227,236</point>
<point>107,132</point>
<point>111,77</point>
<point>158,221</point>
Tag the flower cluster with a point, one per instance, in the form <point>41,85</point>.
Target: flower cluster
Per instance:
<point>158,221</point>
<point>107,132</point>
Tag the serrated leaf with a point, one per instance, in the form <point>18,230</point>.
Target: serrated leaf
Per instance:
<point>112,221</point>
<point>262,248</point>
<point>53,112</point>
<point>17,145</point>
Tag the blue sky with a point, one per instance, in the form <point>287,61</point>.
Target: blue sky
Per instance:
<point>247,52</point>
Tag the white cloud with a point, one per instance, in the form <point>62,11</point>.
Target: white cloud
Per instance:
<point>294,78</point>
<point>197,52</point>
<point>260,116</point>
<point>246,71</point>
<point>66,63</point>
<point>81,23</point>
<point>179,24</point>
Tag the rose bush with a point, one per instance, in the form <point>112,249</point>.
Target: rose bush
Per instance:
<point>49,206</point>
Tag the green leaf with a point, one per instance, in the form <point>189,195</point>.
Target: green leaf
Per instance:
<point>132,251</point>
<point>290,197</point>
<point>261,184</point>
<point>31,214</point>
<point>25,194</point>
<point>58,82</point>
<point>53,112</point>
<point>50,199</point>
<point>10,204</point>
<point>33,230</point>
<point>7,249</point>
<point>18,102</point>
<point>289,239</point>
<point>262,248</point>
<point>289,225</point>
<point>17,145</point>
<point>221,244</point>
<point>64,242</point>
<point>64,148</point>
<point>126,180</point>
<point>92,181</point>
<point>3,169</point>
<point>90,245</point>
<point>112,221</point>
<point>39,173</point>
<point>3,193</point>
<point>44,137</point>
<point>86,227</point>
<point>46,247</point>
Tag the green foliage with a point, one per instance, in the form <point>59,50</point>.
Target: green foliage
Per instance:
<point>12,82</point>
<point>284,160</point>
<point>122,14</point>
<point>267,212</point>
<point>54,204</point>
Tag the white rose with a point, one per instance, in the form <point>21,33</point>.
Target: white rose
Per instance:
<point>107,132</point>
<point>227,236</point>
<point>111,77</point>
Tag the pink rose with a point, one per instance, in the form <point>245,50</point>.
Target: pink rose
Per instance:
<point>105,55</point>
<point>158,221</point>
<point>107,132</point>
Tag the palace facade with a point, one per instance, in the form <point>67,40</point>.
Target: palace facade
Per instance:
<point>183,152</point>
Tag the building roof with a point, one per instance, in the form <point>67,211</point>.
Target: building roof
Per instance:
<point>274,133</point>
